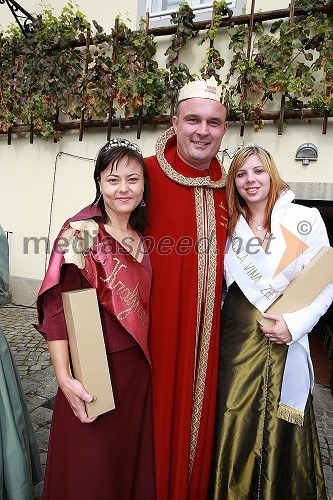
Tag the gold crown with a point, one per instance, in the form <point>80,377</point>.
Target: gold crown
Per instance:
<point>204,89</point>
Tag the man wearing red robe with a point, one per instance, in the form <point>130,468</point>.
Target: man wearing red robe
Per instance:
<point>186,234</point>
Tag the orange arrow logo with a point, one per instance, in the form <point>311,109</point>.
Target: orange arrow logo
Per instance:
<point>294,248</point>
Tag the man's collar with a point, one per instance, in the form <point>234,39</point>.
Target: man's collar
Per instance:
<point>167,141</point>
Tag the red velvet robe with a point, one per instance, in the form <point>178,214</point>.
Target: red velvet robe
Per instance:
<point>185,317</point>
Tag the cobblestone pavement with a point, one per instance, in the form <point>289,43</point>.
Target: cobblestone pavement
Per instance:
<point>33,362</point>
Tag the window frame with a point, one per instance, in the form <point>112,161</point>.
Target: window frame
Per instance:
<point>202,12</point>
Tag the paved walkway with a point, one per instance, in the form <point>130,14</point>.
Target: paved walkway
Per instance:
<point>33,361</point>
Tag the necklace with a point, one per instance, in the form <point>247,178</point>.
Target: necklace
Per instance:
<point>259,224</point>
<point>125,231</point>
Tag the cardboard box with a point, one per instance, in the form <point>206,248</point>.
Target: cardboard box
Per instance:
<point>305,287</point>
<point>87,348</point>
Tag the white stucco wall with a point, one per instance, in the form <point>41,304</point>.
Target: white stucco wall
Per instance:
<point>27,171</point>
<point>104,11</point>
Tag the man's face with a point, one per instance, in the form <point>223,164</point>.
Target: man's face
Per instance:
<point>200,126</point>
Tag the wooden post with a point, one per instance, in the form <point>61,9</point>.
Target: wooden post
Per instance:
<point>281,114</point>
<point>114,56</point>
<point>172,111</point>
<point>326,114</point>
<point>56,124</point>
<point>283,97</point>
<point>211,42</point>
<point>85,70</point>
<point>139,128</point>
<point>249,46</point>
<point>325,120</point>
<point>31,132</point>
<point>9,138</point>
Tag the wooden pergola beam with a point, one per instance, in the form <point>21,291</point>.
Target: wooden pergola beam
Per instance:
<point>305,114</point>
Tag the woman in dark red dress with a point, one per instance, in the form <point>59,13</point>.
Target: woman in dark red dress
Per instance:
<point>111,456</point>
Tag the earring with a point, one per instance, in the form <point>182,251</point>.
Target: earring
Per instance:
<point>143,204</point>
<point>98,199</point>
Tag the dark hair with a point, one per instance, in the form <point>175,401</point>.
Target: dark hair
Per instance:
<point>109,155</point>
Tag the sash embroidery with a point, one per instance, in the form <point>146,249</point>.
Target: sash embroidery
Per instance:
<point>251,266</point>
<point>122,283</point>
<point>130,297</point>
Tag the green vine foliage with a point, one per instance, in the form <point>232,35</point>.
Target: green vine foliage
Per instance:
<point>292,59</point>
<point>38,73</point>
<point>46,73</point>
<point>71,66</point>
<point>214,60</point>
<point>310,4</point>
<point>179,71</point>
<point>138,82</point>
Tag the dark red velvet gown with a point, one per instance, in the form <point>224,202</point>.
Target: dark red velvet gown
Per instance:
<point>113,457</point>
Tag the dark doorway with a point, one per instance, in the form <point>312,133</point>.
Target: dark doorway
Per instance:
<point>321,339</point>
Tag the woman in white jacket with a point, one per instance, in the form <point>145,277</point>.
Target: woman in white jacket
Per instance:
<point>266,443</point>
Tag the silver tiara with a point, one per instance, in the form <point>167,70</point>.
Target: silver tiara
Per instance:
<point>122,143</point>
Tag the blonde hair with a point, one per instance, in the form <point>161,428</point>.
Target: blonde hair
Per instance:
<point>236,204</point>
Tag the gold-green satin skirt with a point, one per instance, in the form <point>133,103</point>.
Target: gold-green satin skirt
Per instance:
<point>257,455</point>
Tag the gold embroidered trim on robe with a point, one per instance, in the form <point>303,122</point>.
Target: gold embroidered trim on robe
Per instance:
<point>290,414</point>
<point>179,178</point>
<point>207,264</point>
